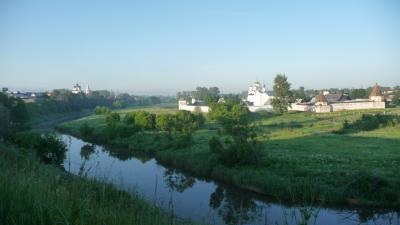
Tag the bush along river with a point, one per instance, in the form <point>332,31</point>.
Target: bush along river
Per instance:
<point>200,200</point>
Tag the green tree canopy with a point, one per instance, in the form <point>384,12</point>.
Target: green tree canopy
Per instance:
<point>358,93</point>
<point>283,95</point>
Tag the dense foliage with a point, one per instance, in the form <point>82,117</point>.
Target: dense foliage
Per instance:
<point>358,93</point>
<point>208,95</point>
<point>178,128</point>
<point>241,146</point>
<point>101,110</point>
<point>13,115</point>
<point>48,147</point>
<point>283,95</point>
<point>369,122</point>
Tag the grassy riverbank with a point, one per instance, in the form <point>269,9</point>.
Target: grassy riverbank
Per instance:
<point>304,159</point>
<point>34,193</point>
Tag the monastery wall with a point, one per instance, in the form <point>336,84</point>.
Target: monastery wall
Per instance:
<point>357,105</point>
<point>322,108</point>
<point>194,108</point>
<point>300,107</point>
<point>260,108</point>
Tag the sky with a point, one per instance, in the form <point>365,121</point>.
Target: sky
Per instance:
<point>161,47</point>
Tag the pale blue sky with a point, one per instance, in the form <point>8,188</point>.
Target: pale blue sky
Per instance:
<point>166,46</point>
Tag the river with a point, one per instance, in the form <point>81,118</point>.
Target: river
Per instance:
<point>202,200</point>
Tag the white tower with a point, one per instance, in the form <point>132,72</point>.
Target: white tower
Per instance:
<point>87,90</point>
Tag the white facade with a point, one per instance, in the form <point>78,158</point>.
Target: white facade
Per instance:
<point>192,108</point>
<point>76,89</point>
<point>87,90</point>
<point>258,99</point>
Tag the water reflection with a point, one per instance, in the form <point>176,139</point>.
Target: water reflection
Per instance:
<point>87,150</point>
<point>234,208</point>
<point>177,181</point>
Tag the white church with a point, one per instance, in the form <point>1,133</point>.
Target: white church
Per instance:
<point>257,100</point>
<point>77,89</point>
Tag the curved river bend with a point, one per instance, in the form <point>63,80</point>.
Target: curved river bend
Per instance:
<point>197,199</point>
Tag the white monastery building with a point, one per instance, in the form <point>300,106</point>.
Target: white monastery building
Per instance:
<point>194,106</point>
<point>77,89</point>
<point>326,102</point>
<point>258,99</point>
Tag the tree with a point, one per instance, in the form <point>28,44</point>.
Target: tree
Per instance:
<point>112,119</point>
<point>396,97</point>
<point>101,110</point>
<point>283,95</point>
<point>86,131</point>
<point>129,118</point>
<point>165,122</point>
<point>5,122</point>
<point>241,147</point>
<point>144,120</point>
<point>186,122</point>
<point>300,94</point>
<point>17,115</point>
<point>48,147</point>
<point>120,104</point>
<point>358,93</point>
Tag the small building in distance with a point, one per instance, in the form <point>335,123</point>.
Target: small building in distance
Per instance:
<point>87,90</point>
<point>76,89</point>
<point>195,105</point>
<point>258,98</point>
<point>327,102</point>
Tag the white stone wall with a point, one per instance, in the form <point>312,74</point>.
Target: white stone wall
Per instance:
<point>193,108</point>
<point>339,106</point>
<point>357,105</point>
<point>260,108</point>
<point>300,107</point>
<point>322,108</point>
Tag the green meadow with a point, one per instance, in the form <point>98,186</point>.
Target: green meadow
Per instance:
<point>304,160</point>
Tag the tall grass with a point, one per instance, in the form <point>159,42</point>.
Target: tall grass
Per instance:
<point>32,193</point>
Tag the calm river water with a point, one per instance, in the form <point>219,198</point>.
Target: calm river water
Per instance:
<point>201,200</point>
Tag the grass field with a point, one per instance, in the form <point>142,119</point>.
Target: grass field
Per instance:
<point>34,193</point>
<point>303,159</point>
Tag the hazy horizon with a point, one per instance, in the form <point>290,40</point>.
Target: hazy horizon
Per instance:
<point>159,47</point>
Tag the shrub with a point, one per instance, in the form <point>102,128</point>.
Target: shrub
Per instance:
<point>129,118</point>
<point>165,122</point>
<point>101,110</point>
<point>144,120</point>
<point>48,147</point>
<point>86,131</point>
<point>236,153</point>
<point>369,122</point>
<point>120,104</point>
<point>112,119</point>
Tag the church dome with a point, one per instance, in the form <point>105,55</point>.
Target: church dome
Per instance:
<point>320,98</point>
<point>376,91</point>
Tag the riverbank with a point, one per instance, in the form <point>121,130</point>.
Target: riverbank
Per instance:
<point>34,193</point>
<point>304,161</point>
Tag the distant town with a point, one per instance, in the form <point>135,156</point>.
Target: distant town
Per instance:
<point>258,98</point>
